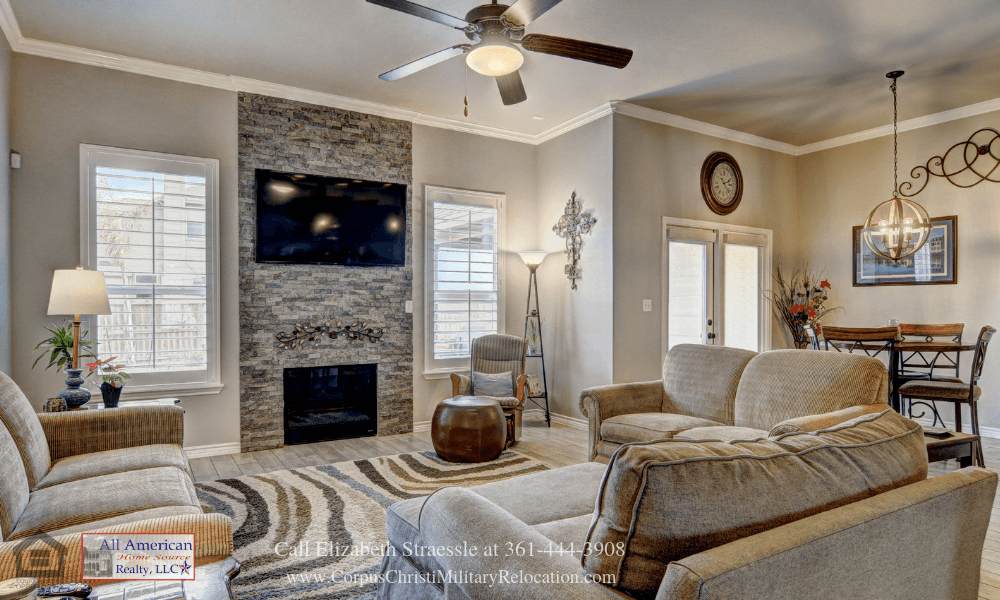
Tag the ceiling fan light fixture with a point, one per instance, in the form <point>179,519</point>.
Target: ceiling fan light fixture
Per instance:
<point>495,59</point>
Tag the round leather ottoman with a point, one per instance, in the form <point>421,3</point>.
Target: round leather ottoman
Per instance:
<point>469,429</point>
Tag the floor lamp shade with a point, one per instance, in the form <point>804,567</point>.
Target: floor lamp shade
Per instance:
<point>79,292</point>
<point>533,258</point>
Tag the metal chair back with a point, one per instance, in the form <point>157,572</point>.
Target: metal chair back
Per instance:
<point>927,365</point>
<point>980,356</point>
<point>870,340</point>
<point>813,337</point>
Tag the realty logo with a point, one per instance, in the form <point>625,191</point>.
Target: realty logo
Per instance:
<point>138,556</point>
<point>41,557</point>
<point>185,568</point>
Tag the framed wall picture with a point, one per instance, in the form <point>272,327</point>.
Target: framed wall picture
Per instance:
<point>935,263</point>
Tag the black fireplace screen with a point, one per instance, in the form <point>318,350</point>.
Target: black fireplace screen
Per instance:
<point>329,403</point>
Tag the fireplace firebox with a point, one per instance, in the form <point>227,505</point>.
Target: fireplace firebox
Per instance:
<point>329,403</point>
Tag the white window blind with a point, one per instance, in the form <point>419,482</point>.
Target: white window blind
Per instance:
<point>465,234</point>
<point>151,230</point>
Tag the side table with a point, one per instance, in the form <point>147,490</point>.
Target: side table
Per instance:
<point>958,445</point>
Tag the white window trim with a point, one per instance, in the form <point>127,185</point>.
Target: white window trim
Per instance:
<point>433,193</point>
<point>88,223</point>
<point>720,230</point>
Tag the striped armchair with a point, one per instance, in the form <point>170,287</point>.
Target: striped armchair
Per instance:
<point>498,353</point>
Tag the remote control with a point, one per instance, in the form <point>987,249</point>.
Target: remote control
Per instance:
<point>76,590</point>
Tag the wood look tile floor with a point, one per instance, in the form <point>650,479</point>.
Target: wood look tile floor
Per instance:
<point>556,446</point>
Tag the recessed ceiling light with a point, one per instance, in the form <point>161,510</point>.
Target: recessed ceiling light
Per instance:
<point>538,118</point>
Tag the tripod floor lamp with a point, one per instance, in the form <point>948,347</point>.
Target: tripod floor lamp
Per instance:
<point>533,331</point>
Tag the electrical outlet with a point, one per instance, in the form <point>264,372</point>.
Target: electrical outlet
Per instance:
<point>647,306</point>
<point>409,306</point>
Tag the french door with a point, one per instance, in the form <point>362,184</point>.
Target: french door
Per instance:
<point>712,277</point>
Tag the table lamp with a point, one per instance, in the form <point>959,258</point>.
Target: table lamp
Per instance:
<point>77,292</point>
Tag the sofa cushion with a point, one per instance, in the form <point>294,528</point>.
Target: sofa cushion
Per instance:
<point>534,499</point>
<point>105,497</point>
<point>142,515</point>
<point>785,384</point>
<point>701,381</point>
<point>723,433</point>
<point>498,385</point>
<point>568,533</point>
<point>647,427</point>
<point>666,500</point>
<point>19,417</point>
<point>825,421</point>
<point>14,488</point>
<point>82,466</point>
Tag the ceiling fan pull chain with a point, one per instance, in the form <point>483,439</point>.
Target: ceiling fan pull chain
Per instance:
<point>466,90</point>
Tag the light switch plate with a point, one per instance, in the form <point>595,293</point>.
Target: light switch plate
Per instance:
<point>409,306</point>
<point>647,306</point>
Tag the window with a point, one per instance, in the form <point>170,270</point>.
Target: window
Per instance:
<point>149,223</point>
<point>463,289</point>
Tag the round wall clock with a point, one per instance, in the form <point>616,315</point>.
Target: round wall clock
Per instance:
<point>721,183</point>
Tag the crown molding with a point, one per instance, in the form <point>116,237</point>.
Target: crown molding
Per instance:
<point>954,114</point>
<point>21,44</point>
<point>663,118</point>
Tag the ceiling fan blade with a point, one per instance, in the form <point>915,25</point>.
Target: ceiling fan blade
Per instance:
<point>511,88</point>
<point>422,63</point>
<point>423,12</point>
<point>526,11</point>
<point>609,56</point>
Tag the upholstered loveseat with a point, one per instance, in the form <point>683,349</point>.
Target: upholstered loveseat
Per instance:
<point>826,507</point>
<point>840,512</point>
<point>731,391</point>
<point>120,470</point>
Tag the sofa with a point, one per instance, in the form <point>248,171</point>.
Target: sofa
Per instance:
<point>113,470</point>
<point>824,506</point>
<point>735,392</point>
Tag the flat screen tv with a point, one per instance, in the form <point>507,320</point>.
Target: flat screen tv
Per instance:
<point>308,219</point>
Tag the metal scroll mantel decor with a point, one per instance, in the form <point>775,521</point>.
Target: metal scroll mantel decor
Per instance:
<point>964,165</point>
<point>572,226</point>
<point>313,333</point>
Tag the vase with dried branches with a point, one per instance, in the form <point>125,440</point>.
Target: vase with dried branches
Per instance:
<point>800,300</point>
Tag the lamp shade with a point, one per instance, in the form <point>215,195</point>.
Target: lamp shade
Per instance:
<point>533,258</point>
<point>79,292</point>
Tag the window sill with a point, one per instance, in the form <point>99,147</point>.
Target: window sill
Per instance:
<point>441,374</point>
<point>152,392</point>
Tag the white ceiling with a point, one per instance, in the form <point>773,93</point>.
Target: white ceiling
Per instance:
<point>796,71</point>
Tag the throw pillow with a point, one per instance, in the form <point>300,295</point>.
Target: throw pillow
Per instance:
<point>497,385</point>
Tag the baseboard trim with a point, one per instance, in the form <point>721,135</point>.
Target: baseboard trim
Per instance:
<point>573,422</point>
<point>212,450</point>
<point>421,427</point>
<point>986,432</point>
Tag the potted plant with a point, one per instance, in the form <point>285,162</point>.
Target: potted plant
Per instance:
<point>58,349</point>
<point>800,301</point>
<point>113,379</point>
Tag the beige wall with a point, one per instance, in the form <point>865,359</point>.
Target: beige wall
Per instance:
<point>58,105</point>
<point>837,190</point>
<point>577,325</point>
<point>472,162</point>
<point>657,173</point>
<point>6,58</point>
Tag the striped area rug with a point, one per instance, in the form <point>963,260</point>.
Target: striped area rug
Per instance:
<point>277,515</point>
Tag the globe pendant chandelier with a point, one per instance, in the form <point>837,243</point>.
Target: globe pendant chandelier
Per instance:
<point>898,227</point>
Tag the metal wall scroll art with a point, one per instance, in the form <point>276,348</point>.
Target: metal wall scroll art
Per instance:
<point>313,333</point>
<point>964,165</point>
<point>571,227</point>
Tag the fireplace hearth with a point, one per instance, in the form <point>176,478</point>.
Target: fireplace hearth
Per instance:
<point>329,403</point>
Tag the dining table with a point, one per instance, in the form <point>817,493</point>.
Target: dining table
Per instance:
<point>895,361</point>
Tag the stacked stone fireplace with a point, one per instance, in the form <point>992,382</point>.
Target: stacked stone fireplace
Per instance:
<point>296,137</point>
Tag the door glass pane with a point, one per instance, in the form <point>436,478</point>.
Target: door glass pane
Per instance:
<point>687,293</point>
<point>741,296</point>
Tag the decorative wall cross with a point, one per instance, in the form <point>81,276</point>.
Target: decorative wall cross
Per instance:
<point>571,227</point>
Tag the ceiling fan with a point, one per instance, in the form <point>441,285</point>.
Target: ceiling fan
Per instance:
<point>496,31</point>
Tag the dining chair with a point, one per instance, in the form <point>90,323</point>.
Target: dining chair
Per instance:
<point>811,334</point>
<point>872,341</point>
<point>958,393</point>
<point>921,364</point>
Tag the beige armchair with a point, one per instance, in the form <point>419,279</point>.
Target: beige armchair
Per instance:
<point>716,392</point>
<point>492,354</point>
